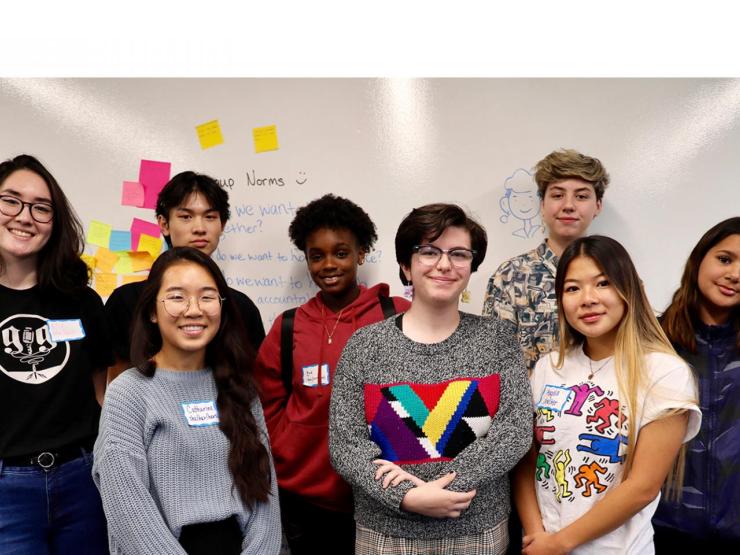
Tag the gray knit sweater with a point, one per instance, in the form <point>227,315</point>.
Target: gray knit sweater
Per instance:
<point>159,466</point>
<point>429,407</point>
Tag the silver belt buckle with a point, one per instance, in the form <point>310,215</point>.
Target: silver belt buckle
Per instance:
<point>46,456</point>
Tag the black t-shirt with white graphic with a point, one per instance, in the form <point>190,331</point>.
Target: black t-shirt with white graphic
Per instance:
<point>46,388</point>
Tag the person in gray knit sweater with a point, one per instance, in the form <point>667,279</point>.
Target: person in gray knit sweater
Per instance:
<point>182,460</point>
<point>431,409</point>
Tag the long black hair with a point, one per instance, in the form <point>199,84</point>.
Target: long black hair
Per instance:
<point>59,266</point>
<point>229,356</point>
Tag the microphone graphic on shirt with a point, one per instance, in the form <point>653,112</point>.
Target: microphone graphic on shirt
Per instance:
<point>28,346</point>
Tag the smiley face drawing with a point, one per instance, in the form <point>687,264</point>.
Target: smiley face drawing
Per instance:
<point>520,201</point>
<point>301,179</point>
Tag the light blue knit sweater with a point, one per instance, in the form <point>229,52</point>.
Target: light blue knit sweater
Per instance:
<point>157,472</point>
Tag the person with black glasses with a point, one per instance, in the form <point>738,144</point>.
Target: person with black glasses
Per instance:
<point>431,408</point>
<point>55,349</point>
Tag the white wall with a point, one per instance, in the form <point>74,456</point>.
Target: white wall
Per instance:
<point>670,145</point>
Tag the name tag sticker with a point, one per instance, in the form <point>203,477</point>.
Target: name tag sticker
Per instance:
<point>311,375</point>
<point>554,398</point>
<point>200,413</point>
<point>66,330</point>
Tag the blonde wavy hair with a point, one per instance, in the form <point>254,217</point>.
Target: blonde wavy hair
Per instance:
<point>564,164</point>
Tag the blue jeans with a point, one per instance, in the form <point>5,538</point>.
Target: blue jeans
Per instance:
<point>51,512</point>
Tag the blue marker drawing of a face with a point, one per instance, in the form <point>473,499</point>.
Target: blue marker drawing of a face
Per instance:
<point>520,200</point>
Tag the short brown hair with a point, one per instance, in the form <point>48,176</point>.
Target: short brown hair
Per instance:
<point>570,164</point>
<point>428,222</point>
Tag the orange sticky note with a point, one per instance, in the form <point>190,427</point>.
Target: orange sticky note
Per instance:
<point>140,261</point>
<point>265,138</point>
<point>91,261</point>
<point>209,134</point>
<point>106,259</point>
<point>105,283</point>
<point>133,278</point>
<point>152,245</point>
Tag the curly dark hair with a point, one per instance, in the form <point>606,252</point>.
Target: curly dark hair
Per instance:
<point>332,212</point>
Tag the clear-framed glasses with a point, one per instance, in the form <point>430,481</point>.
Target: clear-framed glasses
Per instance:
<point>176,305</point>
<point>42,212</point>
<point>459,257</point>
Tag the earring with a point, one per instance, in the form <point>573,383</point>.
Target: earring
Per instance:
<point>408,291</point>
<point>465,296</point>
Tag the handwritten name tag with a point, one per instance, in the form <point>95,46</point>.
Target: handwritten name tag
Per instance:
<point>311,375</point>
<point>554,398</point>
<point>66,330</point>
<point>200,413</point>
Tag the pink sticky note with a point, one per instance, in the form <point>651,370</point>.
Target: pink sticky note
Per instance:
<point>140,226</point>
<point>132,194</point>
<point>153,176</point>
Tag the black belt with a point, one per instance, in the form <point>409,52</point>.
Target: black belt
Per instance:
<point>51,458</point>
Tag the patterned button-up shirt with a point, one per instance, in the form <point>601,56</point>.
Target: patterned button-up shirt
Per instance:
<point>523,290</point>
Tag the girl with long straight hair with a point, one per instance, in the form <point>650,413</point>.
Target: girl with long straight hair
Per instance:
<point>703,323</point>
<point>54,350</point>
<point>430,408</point>
<point>182,460</point>
<point>612,408</point>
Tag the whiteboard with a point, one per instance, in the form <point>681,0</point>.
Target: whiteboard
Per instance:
<point>670,145</point>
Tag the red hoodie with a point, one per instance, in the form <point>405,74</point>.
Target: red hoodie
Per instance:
<point>299,430</point>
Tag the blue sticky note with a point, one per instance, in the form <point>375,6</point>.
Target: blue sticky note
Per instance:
<point>120,240</point>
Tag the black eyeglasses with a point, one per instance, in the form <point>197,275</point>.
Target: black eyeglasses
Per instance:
<point>42,212</point>
<point>459,257</point>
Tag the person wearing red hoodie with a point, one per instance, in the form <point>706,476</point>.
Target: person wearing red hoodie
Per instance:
<point>316,503</point>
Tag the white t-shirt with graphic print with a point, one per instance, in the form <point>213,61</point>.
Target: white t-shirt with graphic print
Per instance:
<point>581,452</point>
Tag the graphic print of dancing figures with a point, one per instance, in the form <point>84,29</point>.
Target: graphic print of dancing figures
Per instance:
<point>561,461</point>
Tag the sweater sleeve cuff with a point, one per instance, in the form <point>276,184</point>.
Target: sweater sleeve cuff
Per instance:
<point>394,496</point>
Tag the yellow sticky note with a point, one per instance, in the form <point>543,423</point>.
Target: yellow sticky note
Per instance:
<point>265,138</point>
<point>105,283</point>
<point>209,134</point>
<point>90,260</point>
<point>152,245</point>
<point>140,261</point>
<point>99,233</point>
<point>124,264</point>
<point>106,259</point>
<point>132,278</point>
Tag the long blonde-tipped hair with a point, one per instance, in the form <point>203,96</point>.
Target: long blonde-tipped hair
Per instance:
<point>639,333</point>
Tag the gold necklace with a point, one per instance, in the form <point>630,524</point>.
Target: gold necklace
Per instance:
<point>330,334</point>
<point>590,365</point>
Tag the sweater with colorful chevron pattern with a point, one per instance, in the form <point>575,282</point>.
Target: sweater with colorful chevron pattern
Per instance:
<point>461,405</point>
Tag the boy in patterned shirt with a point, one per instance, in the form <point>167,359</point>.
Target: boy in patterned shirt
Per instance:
<point>571,187</point>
